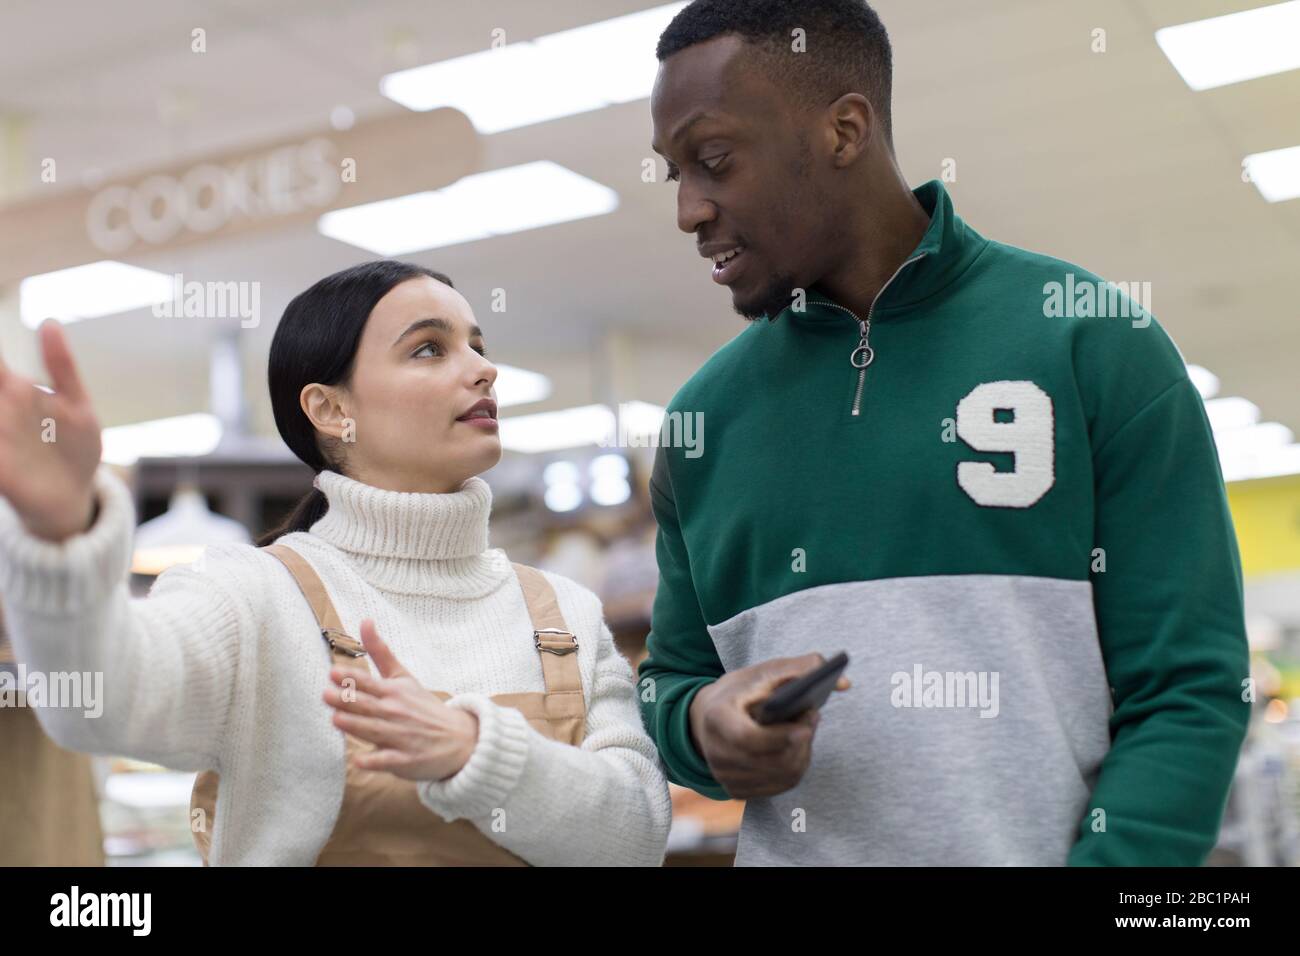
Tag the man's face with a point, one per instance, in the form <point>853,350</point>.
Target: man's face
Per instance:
<point>744,158</point>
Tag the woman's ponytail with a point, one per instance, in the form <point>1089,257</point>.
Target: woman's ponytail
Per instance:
<point>310,509</point>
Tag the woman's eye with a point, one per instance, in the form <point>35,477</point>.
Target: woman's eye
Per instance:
<point>713,162</point>
<point>481,350</point>
<point>426,346</point>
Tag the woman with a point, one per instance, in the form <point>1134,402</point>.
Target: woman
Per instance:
<point>460,736</point>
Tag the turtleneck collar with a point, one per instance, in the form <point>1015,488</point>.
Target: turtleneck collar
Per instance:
<point>413,542</point>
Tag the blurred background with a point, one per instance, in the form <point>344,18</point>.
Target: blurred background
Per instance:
<point>172,172</point>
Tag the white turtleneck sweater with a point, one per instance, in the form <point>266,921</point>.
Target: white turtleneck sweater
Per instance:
<point>222,667</point>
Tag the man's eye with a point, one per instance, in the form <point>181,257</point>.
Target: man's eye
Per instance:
<point>713,162</point>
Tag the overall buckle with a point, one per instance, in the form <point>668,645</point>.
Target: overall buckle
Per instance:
<point>551,643</point>
<point>343,643</point>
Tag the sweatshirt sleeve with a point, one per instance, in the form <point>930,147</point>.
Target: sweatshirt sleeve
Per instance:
<point>681,655</point>
<point>604,803</point>
<point>1171,625</point>
<point>157,673</point>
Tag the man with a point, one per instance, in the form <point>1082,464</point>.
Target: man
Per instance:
<point>926,449</point>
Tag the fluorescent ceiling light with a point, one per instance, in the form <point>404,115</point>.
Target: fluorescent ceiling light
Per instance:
<point>1233,412</point>
<point>1236,47</point>
<point>90,291</point>
<point>560,473</point>
<point>1276,173</point>
<point>577,427</point>
<point>1270,463</point>
<point>185,435</point>
<point>608,466</point>
<point>563,497</point>
<point>556,75</point>
<point>518,386</point>
<point>494,203</point>
<point>1247,448</point>
<point>548,431</point>
<point>1206,382</point>
<point>1254,439</point>
<point>642,418</point>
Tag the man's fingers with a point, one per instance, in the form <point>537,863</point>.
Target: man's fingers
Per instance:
<point>749,739</point>
<point>744,775</point>
<point>774,673</point>
<point>64,378</point>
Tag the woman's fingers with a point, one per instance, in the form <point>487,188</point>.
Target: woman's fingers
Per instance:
<point>386,760</point>
<point>360,680</point>
<point>354,702</point>
<point>64,378</point>
<point>377,730</point>
<point>385,661</point>
<point>9,379</point>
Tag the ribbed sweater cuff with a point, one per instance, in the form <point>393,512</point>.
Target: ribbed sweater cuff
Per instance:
<point>77,573</point>
<point>493,769</point>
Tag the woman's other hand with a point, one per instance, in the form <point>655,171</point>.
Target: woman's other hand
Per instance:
<point>49,444</point>
<point>416,735</point>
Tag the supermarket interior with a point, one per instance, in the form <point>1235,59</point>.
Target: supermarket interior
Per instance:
<point>160,153</point>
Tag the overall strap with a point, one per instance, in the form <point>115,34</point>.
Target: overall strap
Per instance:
<point>556,644</point>
<point>310,583</point>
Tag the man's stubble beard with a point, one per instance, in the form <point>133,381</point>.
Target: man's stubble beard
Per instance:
<point>775,297</point>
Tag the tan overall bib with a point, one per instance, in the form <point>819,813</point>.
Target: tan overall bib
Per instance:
<point>381,821</point>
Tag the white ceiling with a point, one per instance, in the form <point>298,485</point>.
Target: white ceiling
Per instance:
<point>1108,160</point>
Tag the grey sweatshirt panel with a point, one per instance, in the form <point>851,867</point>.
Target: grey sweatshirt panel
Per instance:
<point>972,735</point>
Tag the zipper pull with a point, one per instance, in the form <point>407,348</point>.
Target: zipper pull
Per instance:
<point>860,359</point>
<point>864,354</point>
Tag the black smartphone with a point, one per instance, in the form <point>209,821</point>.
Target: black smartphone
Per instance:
<point>802,694</point>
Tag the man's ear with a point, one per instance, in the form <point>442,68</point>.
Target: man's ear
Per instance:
<point>853,124</point>
<point>323,406</point>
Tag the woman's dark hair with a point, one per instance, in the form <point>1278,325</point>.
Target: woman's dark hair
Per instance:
<point>316,341</point>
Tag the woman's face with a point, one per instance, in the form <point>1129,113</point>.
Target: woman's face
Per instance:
<point>420,402</point>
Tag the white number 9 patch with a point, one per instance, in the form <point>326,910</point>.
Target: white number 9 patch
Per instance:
<point>1029,435</point>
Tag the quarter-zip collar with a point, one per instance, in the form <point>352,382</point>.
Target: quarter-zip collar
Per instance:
<point>945,252</point>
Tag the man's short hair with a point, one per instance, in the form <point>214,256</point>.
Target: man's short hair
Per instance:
<point>846,47</point>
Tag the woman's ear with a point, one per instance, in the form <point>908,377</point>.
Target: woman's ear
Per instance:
<point>323,406</point>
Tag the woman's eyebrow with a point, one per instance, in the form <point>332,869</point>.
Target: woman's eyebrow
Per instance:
<point>442,325</point>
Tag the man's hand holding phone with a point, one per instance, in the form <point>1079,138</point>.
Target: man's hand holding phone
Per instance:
<point>748,758</point>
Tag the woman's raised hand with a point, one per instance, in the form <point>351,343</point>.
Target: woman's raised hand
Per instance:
<point>49,444</point>
<point>416,735</point>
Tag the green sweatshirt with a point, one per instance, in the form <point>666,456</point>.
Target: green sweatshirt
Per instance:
<point>1014,521</point>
